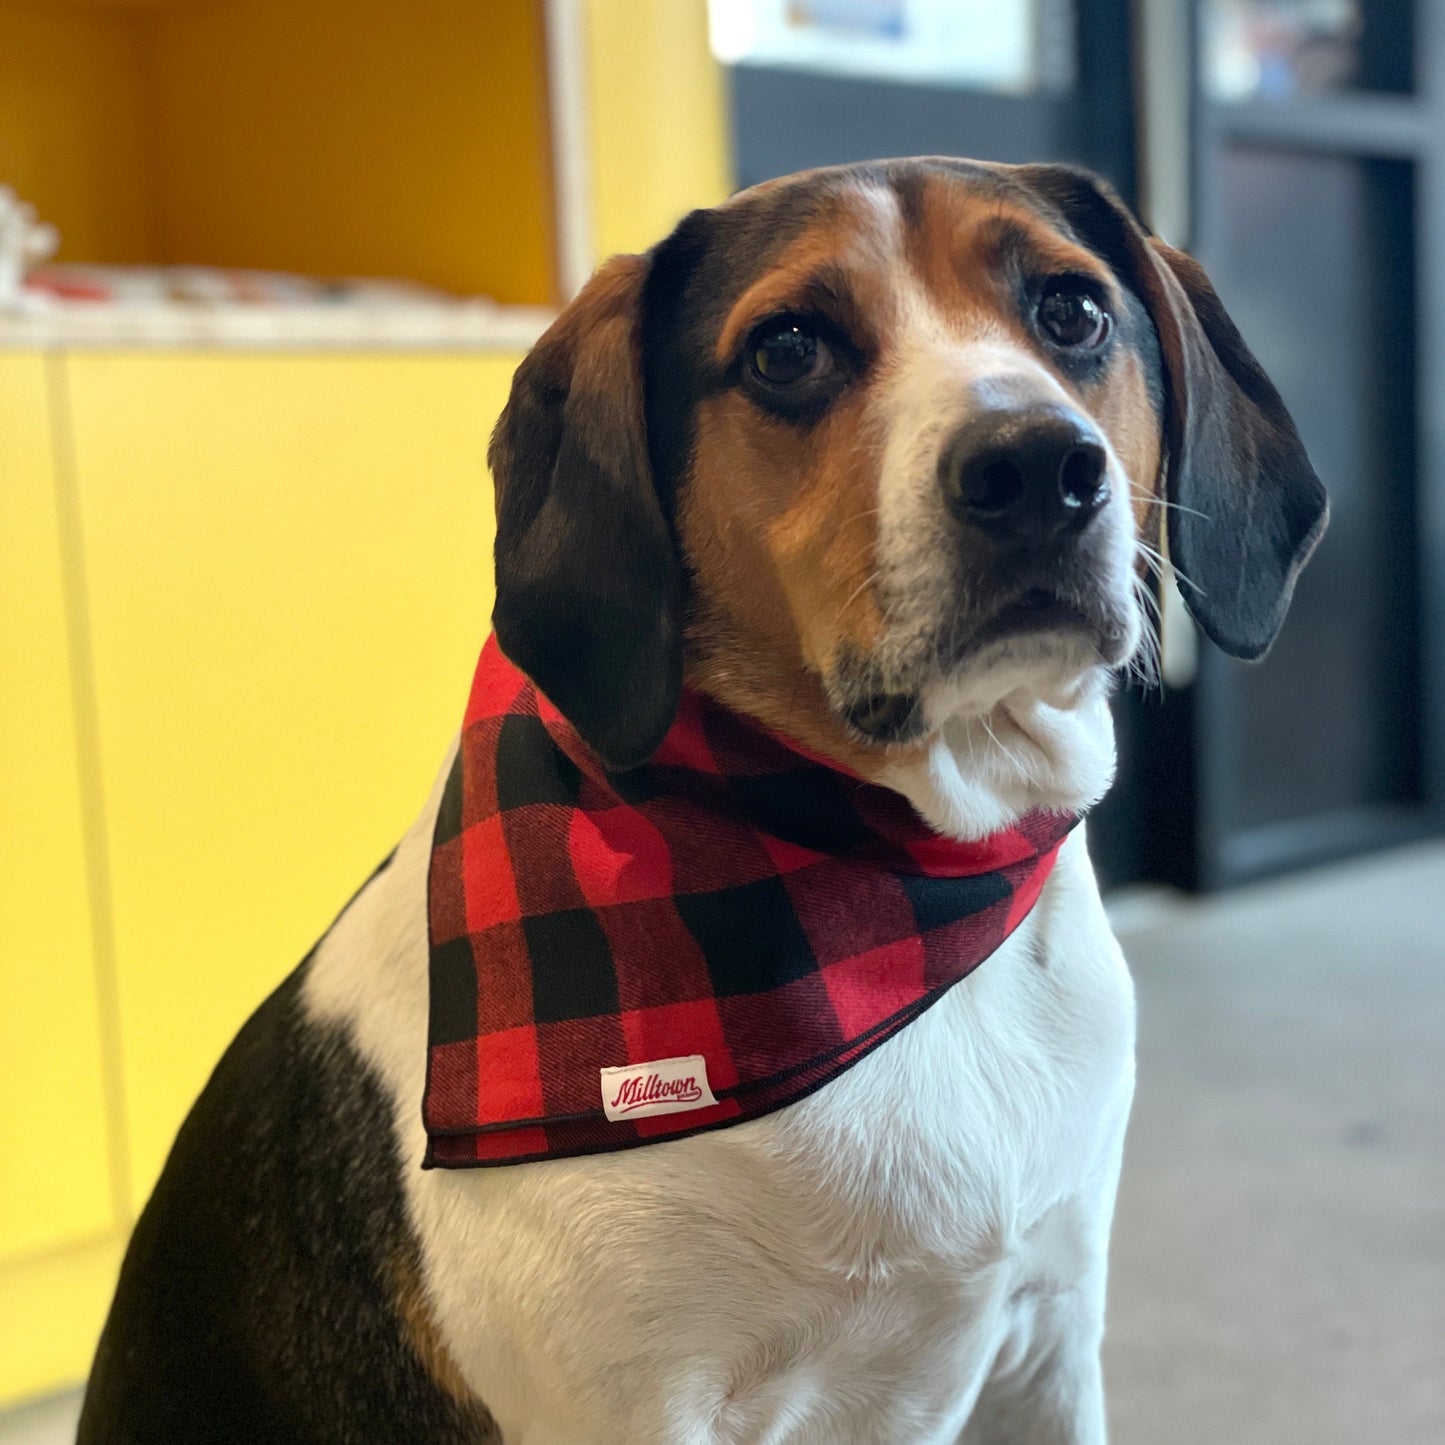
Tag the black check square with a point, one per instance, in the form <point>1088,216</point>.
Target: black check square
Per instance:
<point>938,902</point>
<point>809,809</point>
<point>452,1016</point>
<point>449,813</point>
<point>531,768</point>
<point>749,935</point>
<point>638,785</point>
<point>574,977</point>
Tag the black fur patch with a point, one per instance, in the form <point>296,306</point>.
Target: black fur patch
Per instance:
<point>258,1300</point>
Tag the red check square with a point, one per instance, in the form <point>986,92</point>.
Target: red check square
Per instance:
<point>487,876</point>
<point>618,857</point>
<point>674,1030</point>
<point>509,1078</point>
<point>875,985</point>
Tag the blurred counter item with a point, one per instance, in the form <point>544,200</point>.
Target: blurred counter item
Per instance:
<point>213,305</point>
<point>24,240</point>
<point>218,285</point>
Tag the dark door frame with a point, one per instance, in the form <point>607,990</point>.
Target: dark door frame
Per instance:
<point>1193,735</point>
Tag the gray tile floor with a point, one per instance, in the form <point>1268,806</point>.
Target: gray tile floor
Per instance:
<point>1279,1253</point>
<point>47,1422</point>
<point>1279,1248</point>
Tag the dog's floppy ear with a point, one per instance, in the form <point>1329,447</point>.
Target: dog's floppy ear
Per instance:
<point>588,579</point>
<point>1248,507</point>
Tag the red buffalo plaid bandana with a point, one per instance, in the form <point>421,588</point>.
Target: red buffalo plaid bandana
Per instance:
<point>619,958</point>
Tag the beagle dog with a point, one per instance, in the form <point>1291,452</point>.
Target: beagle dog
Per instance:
<point>880,457</point>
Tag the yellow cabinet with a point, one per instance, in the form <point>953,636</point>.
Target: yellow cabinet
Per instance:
<point>59,1143</point>
<point>55,1148</point>
<point>240,601</point>
<point>289,566</point>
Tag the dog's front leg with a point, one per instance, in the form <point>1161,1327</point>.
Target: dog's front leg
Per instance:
<point>1047,1387</point>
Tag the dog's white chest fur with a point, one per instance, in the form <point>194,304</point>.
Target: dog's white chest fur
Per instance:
<point>851,1268</point>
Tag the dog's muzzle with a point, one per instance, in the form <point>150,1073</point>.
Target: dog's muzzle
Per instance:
<point>1025,483</point>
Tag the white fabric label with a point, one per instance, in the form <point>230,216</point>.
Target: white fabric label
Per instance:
<point>664,1086</point>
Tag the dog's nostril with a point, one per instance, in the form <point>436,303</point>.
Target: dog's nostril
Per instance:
<point>991,486</point>
<point>1081,477</point>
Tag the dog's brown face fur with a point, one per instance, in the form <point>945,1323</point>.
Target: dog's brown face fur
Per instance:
<point>829,584</point>
<point>769,451</point>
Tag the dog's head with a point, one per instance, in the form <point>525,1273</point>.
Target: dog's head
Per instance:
<point>880,456</point>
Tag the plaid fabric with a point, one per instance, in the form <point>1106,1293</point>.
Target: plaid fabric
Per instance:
<point>734,899</point>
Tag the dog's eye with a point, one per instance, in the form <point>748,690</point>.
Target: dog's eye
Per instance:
<point>1071,316</point>
<point>787,353</point>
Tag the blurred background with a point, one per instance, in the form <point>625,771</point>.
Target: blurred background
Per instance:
<point>265,270</point>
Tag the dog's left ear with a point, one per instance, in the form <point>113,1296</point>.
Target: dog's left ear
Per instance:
<point>1248,507</point>
<point>589,583</point>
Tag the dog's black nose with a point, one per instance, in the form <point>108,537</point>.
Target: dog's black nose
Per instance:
<point>1025,474</point>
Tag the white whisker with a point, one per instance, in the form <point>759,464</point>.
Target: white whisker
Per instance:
<point>1158,557</point>
<point>1160,502</point>
<point>858,591</point>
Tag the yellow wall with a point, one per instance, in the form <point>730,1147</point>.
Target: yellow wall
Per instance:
<point>282,565</point>
<point>63,1206</point>
<point>72,127</point>
<point>657,107</point>
<point>52,1307</point>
